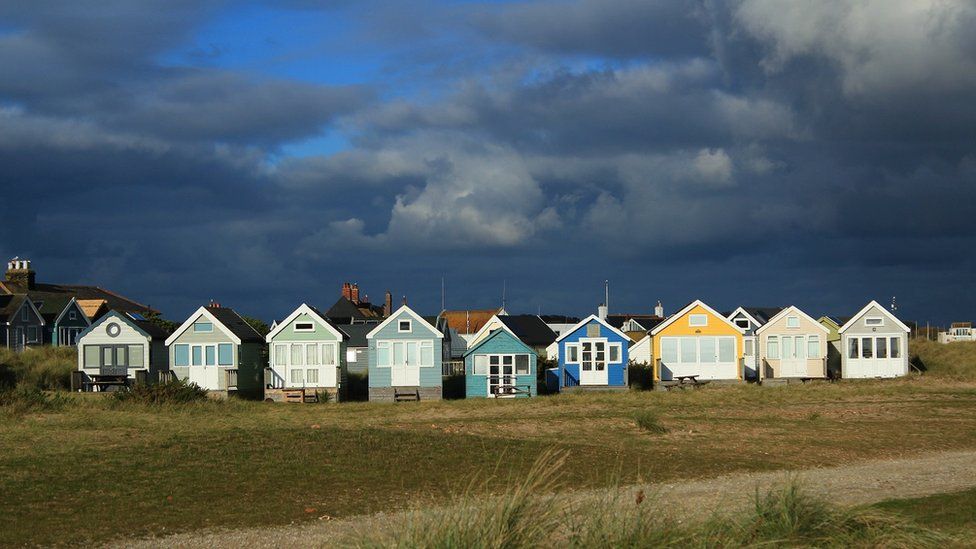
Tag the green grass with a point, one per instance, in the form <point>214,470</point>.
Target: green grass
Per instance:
<point>97,468</point>
<point>650,422</point>
<point>956,361</point>
<point>45,368</point>
<point>530,512</point>
<point>955,512</point>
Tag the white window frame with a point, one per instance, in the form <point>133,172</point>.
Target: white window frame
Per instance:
<point>480,365</point>
<point>793,322</point>
<point>409,329</point>
<point>745,320</point>
<point>702,316</point>
<point>813,339</point>
<point>779,348</point>
<point>874,321</point>
<point>528,364</point>
<point>389,354</point>
<point>311,326</point>
<point>620,353</point>
<point>197,323</point>
<point>571,349</point>
<point>285,351</point>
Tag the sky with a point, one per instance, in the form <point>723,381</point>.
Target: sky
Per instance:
<point>259,154</point>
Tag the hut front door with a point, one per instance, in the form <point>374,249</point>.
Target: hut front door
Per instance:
<point>405,367</point>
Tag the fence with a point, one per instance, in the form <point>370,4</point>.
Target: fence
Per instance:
<point>452,368</point>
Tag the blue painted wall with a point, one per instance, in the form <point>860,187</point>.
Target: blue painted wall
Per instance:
<point>429,376</point>
<point>616,373</point>
<point>499,342</point>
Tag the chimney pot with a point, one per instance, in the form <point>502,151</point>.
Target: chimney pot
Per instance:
<point>354,293</point>
<point>388,304</point>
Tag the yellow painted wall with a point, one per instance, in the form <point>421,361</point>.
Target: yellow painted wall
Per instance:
<point>716,327</point>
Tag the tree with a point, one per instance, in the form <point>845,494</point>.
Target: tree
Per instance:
<point>259,325</point>
<point>158,320</point>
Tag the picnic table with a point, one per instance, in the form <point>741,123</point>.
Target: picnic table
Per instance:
<point>683,382</point>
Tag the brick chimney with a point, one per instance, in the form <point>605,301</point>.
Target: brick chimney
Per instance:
<point>388,304</point>
<point>347,290</point>
<point>19,272</point>
<point>214,304</point>
<point>355,294</point>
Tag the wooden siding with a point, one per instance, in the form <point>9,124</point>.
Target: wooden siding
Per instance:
<point>499,342</point>
<point>128,335</point>
<point>320,334</point>
<point>569,374</point>
<point>430,376</point>
<point>680,327</point>
<point>815,367</point>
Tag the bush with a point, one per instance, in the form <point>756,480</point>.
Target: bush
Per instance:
<point>640,376</point>
<point>24,400</point>
<point>45,368</point>
<point>171,392</point>
<point>648,421</point>
<point>357,387</point>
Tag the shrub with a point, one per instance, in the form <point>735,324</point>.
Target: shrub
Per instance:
<point>24,400</point>
<point>357,387</point>
<point>45,368</point>
<point>640,376</point>
<point>648,421</point>
<point>171,392</point>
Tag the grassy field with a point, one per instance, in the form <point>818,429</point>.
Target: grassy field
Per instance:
<point>92,468</point>
<point>954,513</point>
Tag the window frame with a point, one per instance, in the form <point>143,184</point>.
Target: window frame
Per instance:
<point>572,353</point>
<point>869,321</point>
<point>198,323</point>
<point>408,322</point>
<point>793,322</point>
<point>770,341</point>
<point>221,346</point>
<point>738,320</point>
<point>813,339</point>
<point>692,317</point>
<point>310,328</point>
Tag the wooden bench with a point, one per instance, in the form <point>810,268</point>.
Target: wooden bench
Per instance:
<point>683,382</point>
<point>507,390</point>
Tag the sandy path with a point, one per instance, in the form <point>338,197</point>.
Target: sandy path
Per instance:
<point>864,482</point>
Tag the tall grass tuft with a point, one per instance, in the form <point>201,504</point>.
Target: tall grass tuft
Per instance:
<point>649,421</point>
<point>25,400</point>
<point>955,361</point>
<point>45,368</point>
<point>172,392</point>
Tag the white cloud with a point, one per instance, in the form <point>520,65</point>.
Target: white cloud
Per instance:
<point>714,166</point>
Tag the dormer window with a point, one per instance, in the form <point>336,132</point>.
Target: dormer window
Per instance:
<point>792,322</point>
<point>742,322</point>
<point>405,326</point>
<point>698,320</point>
<point>874,321</point>
<point>304,327</point>
<point>203,327</point>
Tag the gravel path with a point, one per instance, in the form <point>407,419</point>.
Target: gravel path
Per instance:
<point>861,483</point>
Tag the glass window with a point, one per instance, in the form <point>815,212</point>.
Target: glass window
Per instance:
<point>813,346</point>
<point>792,322</point>
<point>23,314</point>
<point>427,353</point>
<point>203,327</point>
<point>772,347</point>
<point>225,354</point>
<point>398,357</point>
<point>312,355</point>
<point>572,353</point>
<point>108,356</point>
<point>281,355</point>
<point>748,347</point>
<point>708,350</point>
<point>72,315</point>
<point>522,364</point>
<point>304,327</point>
<point>742,322</point>
<point>121,358</point>
<point>135,356</point>
<point>788,350</point>
<point>867,349</point>
<point>404,326</point>
<point>91,356</point>
<point>297,354</point>
<point>328,354</point>
<point>726,349</point>
<point>181,355</point>
<point>32,334</point>
<point>413,353</point>
<point>895,347</point>
<point>480,365</point>
<point>874,321</point>
<point>689,349</point>
<point>383,354</point>
<point>312,375</point>
<point>197,355</point>
<point>881,347</point>
<point>614,352</point>
<point>211,355</point>
<point>852,348</point>
<point>669,350</point>
<point>296,377</point>
<point>697,320</point>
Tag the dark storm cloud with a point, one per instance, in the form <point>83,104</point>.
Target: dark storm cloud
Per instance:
<point>737,151</point>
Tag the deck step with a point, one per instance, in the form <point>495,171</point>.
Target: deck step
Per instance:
<point>406,396</point>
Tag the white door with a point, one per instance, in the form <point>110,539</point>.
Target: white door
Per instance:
<point>750,356</point>
<point>405,364</point>
<point>793,362</point>
<point>501,374</point>
<point>593,362</point>
<point>708,357</point>
<point>295,372</point>
<point>203,367</point>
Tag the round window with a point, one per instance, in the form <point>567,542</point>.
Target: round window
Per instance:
<point>113,329</point>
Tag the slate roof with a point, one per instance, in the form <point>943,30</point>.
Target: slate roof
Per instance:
<point>357,333</point>
<point>237,325</point>
<point>62,293</point>
<point>154,330</point>
<point>560,319</point>
<point>646,320</point>
<point>9,305</point>
<point>344,311</point>
<point>762,314</point>
<point>531,329</point>
<point>468,321</point>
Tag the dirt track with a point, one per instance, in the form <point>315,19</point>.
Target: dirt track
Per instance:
<point>861,483</point>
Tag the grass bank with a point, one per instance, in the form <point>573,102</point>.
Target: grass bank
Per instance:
<point>94,467</point>
<point>954,361</point>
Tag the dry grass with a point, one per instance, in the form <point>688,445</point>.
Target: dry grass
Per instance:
<point>954,361</point>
